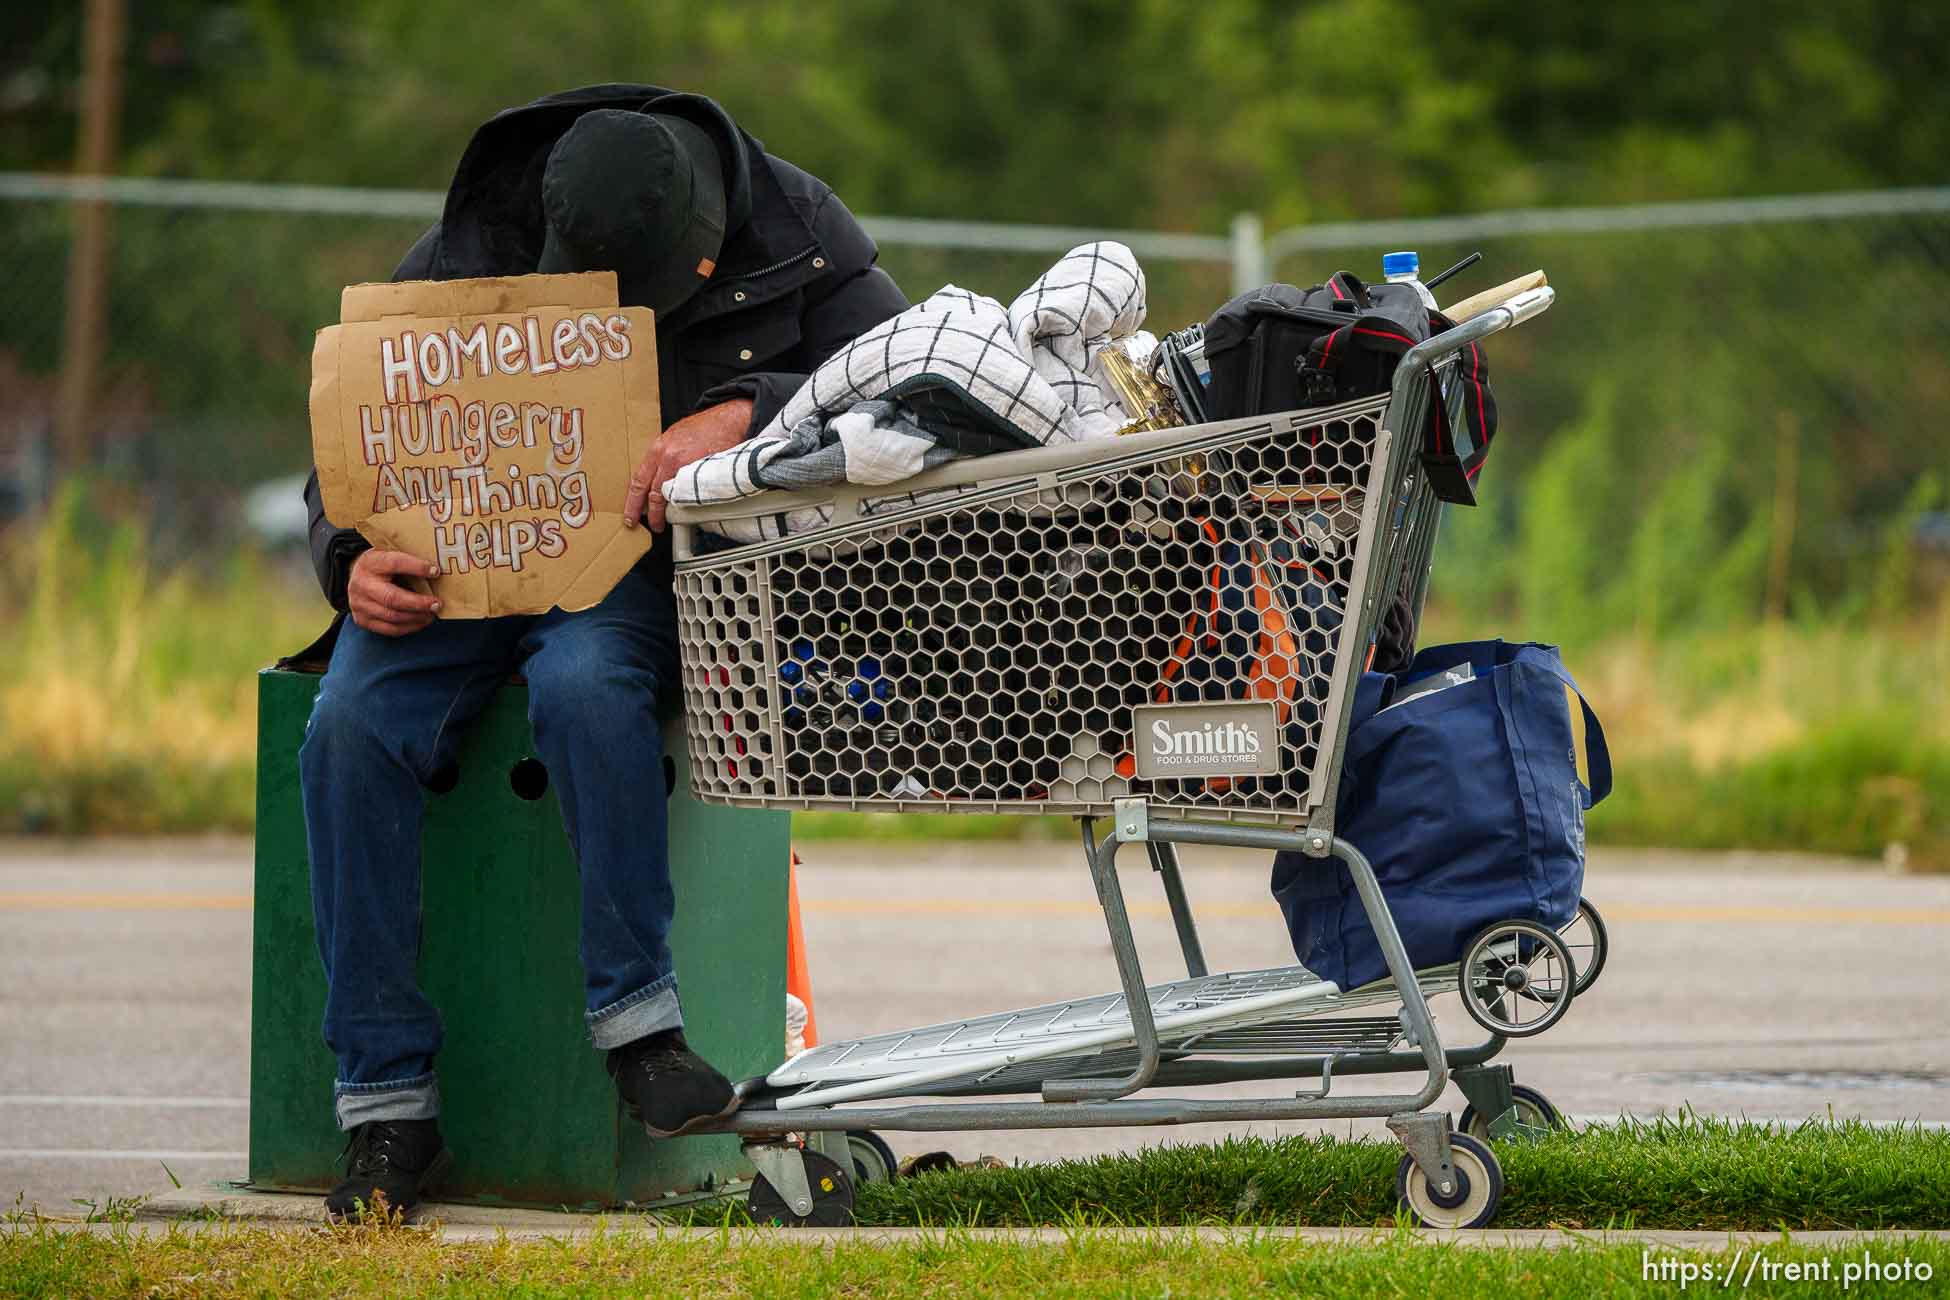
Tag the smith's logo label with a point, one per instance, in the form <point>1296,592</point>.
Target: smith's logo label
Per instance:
<point>1190,740</point>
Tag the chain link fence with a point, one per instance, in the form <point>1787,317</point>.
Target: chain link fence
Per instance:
<point>1733,402</point>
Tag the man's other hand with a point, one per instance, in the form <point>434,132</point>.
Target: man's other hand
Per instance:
<point>377,600</point>
<point>692,438</point>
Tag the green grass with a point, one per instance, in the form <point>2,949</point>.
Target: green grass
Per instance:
<point>126,695</point>
<point>1683,1172</point>
<point>222,1263</point>
<point>1686,1173</point>
<point>127,705</point>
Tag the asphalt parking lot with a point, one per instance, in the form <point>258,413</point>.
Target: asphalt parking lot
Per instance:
<point>1776,987</point>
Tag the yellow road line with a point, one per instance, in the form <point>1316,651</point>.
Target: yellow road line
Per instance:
<point>1775,914</point>
<point>1731,914</point>
<point>124,902</point>
<point>1685,913</point>
<point>998,907</point>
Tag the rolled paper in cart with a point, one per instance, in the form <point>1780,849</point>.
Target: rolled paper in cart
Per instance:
<point>1477,304</point>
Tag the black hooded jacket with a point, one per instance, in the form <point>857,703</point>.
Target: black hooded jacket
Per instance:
<point>794,283</point>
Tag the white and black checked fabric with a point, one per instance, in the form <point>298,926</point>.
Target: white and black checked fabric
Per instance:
<point>969,374</point>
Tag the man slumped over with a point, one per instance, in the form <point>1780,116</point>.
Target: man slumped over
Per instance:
<point>757,273</point>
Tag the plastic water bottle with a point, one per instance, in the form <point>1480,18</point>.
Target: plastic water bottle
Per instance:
<point>1406,268</point>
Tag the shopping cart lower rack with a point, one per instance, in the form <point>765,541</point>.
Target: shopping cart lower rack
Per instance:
<point>1159,633</point>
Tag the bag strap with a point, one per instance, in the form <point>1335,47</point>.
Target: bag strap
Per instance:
<point>1597,753</point>
<point>1345,286</point>
<point>1486,657</point>
<point>1318,386</point>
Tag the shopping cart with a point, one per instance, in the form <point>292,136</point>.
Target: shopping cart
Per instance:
<point>1161,633</point>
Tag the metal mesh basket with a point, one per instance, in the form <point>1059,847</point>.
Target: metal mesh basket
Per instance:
<point>1073,627</point>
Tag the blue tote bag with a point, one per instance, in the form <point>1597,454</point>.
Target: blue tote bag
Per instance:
<point>1460,784</point>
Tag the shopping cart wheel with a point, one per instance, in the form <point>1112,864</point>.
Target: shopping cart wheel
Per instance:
<point>1534,1110</point>
<point>873,1159</point>
<point>832,1197</point>
<point>1479,1187</point>
<point>1517,978</point>
<point>1588,941</point>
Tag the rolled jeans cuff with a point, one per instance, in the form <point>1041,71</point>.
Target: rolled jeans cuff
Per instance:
<point>650,1010</point>
<point>361,1103</point>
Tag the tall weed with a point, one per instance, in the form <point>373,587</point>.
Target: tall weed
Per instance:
<point>127,699</point>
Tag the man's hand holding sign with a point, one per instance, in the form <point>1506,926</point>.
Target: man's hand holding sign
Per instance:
<point>379,597</point>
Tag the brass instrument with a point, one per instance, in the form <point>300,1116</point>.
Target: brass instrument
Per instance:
<point>1127,366</point>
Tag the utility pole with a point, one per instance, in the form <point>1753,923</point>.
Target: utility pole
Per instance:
<point>85,330</point>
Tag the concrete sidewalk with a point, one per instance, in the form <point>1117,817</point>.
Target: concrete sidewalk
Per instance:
<point>218,1207</point>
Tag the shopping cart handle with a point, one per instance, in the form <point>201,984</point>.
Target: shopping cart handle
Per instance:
<point>1531,302</point>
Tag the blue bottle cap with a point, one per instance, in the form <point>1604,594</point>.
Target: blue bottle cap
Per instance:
<point>1400,263</point>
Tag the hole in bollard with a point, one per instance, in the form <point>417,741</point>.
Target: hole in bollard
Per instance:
<point>670,776</point>
<point>444,780</point>
<point>528,779</point>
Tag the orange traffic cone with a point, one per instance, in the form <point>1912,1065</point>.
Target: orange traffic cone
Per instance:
<point>798,980</point>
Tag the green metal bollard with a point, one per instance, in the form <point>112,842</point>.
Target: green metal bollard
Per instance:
<point>527,1109</point>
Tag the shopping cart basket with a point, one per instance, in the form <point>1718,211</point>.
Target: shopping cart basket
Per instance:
<point>1161,632</point>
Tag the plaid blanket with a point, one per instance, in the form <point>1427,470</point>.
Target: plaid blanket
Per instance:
<point>957,375</point>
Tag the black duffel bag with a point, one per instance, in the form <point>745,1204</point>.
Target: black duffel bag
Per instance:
<point>1282,348</point>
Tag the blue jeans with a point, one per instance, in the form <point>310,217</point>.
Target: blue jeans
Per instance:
<point>388,720</point>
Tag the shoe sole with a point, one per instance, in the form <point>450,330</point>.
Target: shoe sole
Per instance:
<point>428,1181</point>
<point>693,1124</point>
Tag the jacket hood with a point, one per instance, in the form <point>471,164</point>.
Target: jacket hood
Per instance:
<point>493,224</point>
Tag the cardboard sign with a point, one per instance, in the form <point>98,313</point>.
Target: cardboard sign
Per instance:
<point>489,426</point>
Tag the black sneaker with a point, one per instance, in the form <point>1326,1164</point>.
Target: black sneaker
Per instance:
<point>667,1086</point>
<point>394,1160</point>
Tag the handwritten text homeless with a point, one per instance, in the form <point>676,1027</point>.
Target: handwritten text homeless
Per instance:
<point>469,506</point>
